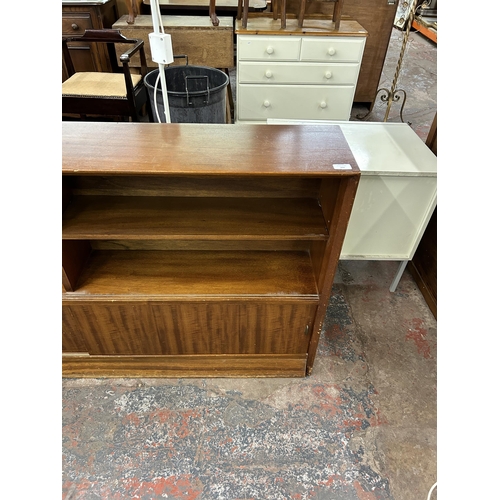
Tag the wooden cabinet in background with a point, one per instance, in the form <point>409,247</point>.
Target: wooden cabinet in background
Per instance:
<point>194,250</point>
<point>423,266</point>
<point>377,18</point>
<point>76,18</point>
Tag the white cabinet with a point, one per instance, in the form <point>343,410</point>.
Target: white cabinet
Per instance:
<point>397,192</point>
<point>297,75</point>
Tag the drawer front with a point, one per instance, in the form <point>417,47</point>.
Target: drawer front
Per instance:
<point>75,24</point>
<point>177,328</point>
<point>272,48</point>
<point>332,49</point>
<point>311,102</point>
<point>313,74</point>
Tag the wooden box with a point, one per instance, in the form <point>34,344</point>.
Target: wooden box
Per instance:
<point>194,36</point>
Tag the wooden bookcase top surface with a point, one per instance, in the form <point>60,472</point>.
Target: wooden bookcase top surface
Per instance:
<point>226,149</point>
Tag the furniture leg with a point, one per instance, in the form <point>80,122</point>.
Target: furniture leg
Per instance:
<point>302,11</point>
<point>396,279</point>
<point>211,13</point>
<point>283,14</point>
<point>337,13</point>
<point>246,5</point>
<point>229,94</point>
<point>132,10</point>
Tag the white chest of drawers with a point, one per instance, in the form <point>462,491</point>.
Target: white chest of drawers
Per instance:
<point>308,74</point>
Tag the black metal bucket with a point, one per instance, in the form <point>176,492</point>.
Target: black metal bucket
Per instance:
<point>196,94</point>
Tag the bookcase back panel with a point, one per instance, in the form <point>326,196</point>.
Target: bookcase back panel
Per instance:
<point>209,245</point>
<point>203,186</point>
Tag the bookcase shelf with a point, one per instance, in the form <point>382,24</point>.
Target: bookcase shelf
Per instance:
<point>185,258</point>
<point>163,217</point>
<point>207,274</point>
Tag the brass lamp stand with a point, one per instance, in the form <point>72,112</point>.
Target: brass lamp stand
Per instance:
<point>393,95</point>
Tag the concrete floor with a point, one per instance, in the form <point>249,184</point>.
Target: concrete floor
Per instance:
<point>361,427</point>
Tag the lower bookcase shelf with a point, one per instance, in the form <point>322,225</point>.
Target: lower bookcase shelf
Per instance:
<point>232,304</point>
<point>205,274</point>
<point>176,271</point>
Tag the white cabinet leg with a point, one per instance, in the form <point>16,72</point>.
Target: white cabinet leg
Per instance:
<point>396,279</point>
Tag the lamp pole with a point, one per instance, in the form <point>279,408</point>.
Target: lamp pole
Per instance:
<point>161,52</point>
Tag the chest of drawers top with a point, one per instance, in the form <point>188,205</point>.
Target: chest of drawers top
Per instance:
<point>266,25</point>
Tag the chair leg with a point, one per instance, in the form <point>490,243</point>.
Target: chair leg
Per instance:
<point>134,115</point>
<point>246,4</point>
<point>211,13</point>
<point>228,110</point>
<point>283,14</point>
<point>302,11</point>
<point>149,111</point>
<point>274,7</point>
<point>229,93</point>
<point>337,13</point>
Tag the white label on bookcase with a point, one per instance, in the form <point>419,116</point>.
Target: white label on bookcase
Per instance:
<point>342,166</point>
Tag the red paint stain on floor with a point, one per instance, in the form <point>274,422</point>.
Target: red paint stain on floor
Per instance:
<point>134,489</point>
<point>362,494</point>
<point>174,486</point>
<point>326,404</point>
<point>418,334</point>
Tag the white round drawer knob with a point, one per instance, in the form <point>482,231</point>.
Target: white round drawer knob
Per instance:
<point>331,51</point>
<point>269,50</point>
<point>323,104</point>
<point>267,103</point>
<point>269,73</point>
<point>328,75</point>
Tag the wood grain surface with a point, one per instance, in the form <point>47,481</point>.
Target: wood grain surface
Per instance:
<point>148,217</point>
<point>193,36</point>
<point>215,149</point>
<point>187,274</point>
<point>195,250</point>
<point>185,366</point>
<point>143,328</point>
<point>320,25</point>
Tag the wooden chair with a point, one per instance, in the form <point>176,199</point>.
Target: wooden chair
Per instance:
<point>280,7</point>
<point>118,94</point>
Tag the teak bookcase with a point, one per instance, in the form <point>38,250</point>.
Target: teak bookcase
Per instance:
<point>199,250</point>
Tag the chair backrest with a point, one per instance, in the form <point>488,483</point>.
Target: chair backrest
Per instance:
<point>111,38</point>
